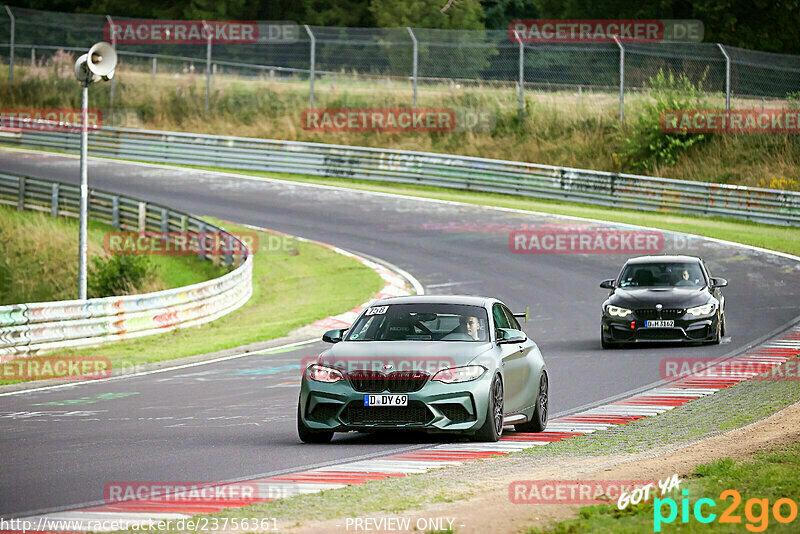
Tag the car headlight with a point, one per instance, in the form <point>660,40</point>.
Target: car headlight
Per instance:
<point>705,309</point>
<point>616,311</point>
<point>454,375</point>
<point>320,373</point>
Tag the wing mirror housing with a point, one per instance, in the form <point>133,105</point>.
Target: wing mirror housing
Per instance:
<point>718,282</point>
<point>334,336</point>
<point>510,335</point>
<point>608,284</point>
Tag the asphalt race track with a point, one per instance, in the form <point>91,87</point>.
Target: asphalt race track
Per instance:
<point>236,419</point>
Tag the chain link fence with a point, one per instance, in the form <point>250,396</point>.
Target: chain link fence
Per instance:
<point>419,63</point>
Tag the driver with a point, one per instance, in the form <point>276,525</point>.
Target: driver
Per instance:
<point>473,327</point>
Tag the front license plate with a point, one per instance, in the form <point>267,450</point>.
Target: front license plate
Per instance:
<point>386,400</point>
<point>659,324</point>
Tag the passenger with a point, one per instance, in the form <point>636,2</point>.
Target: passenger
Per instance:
<point>474,327</point>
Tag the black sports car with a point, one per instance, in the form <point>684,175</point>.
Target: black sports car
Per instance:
<point>663,298</point>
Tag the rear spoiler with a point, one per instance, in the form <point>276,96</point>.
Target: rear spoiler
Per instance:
<point>524,315</point>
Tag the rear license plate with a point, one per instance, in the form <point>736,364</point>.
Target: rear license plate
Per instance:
<point>386,400</point>
<point>659,324</point>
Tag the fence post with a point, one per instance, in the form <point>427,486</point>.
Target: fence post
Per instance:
<point>21,194</point>
<point>201,240</point>
<point>727,77</point>
<point>33,56</point>
<point>114,46</point>
<point>208,65</point>
<point>521,75</point>
<point>621,79</point>
<point>155,62</point>
<point>142,216</point>
<point>311,65</point>
<point>415,65</point>
<point>11,47</point>
<point>115,212</point>
<point>54,201</point>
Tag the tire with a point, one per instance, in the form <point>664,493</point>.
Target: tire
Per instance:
<point>720,327</point>
<point>492,428</point>
<point>607,345</point>
<point>539,420</point>
<point>311,436</point>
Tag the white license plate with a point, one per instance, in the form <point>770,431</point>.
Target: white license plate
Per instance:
<point>386,400</point>
<point>659,324</point>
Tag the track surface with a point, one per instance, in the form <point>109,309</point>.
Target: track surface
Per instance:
<point>236,419</point>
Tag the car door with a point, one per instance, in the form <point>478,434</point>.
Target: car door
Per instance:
<point>516,371</point>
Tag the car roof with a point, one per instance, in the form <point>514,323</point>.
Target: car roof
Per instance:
<point>665,258</point>
<point>470,300</point>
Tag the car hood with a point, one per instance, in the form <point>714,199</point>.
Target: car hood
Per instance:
<point>402,355</point>
<point>668,297</point>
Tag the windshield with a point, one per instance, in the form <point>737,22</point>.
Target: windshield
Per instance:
<point>662,275</point>
<point>421,322</point>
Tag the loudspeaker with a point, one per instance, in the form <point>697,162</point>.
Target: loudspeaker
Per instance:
<point>98,64</point>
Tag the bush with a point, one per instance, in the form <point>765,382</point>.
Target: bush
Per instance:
<point>647,145</point>
<point>119,275</point>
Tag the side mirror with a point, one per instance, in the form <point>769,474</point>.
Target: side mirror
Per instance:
<point>509,335</point>
<point>608,284</point>
<point>718,282</point>
<point>334,336</point>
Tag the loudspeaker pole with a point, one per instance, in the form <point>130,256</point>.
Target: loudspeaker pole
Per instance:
<point>82,246</point>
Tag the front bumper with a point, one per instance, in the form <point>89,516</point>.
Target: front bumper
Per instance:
<point>694,330</point>
<point>436,407</point>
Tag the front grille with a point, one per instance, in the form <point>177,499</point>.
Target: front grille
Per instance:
<point>455,412</point>
<point>666,313</point>
<point>366,381</point>
<point>324,411</point>
<point>416,413</point>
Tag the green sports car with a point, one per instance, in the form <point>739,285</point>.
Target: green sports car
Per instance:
<point>435,363</point>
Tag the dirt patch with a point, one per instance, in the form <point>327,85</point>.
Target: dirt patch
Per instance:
<point>492,511</point>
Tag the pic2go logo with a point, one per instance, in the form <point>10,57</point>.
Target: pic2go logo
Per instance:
<point>757,522</point>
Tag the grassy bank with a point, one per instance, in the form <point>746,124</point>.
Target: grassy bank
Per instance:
<point>293,286</point>
<point>559,128</point>
<point>39,260</point>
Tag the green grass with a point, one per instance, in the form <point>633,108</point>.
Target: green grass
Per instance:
<point>290,289</point>
<point>779,238</point>
<point>39,259</point>
<point>769,476</point>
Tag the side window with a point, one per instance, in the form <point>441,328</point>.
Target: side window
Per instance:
<point>512,320</point>
<point>500,319</point>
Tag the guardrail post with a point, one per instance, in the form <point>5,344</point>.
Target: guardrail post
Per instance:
<point>54,201</point>
<point>115,212</point>
<point>201,240</point>
<point>521,75</point>
<point>142,216</point>
<point>621,79</point>
<point>11,47</point>
<point>33,56</point>
<point>415,65</point>
<point>228,252</point>
<point>155,63</point>
<point>21,194</point>
<point>727,77</point>
<point>183,223</point>
<point>311,65</point>
<point>114,46</point>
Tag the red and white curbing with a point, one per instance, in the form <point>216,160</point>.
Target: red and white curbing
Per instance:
<point>620,412</point>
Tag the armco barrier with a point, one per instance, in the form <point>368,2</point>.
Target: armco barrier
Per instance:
<point>27,329</point>
<point>457,172</point>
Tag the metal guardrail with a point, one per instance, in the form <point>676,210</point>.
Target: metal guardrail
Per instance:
<point>27,329</point>
<point>457,172</point>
